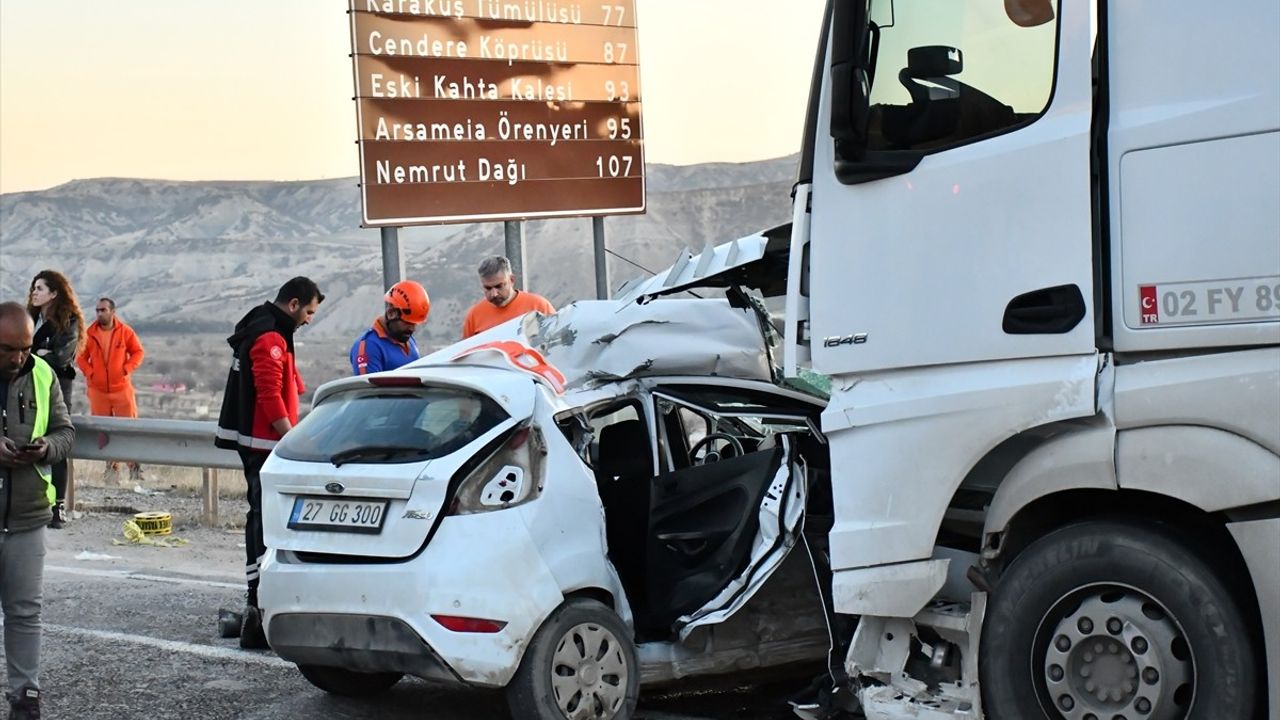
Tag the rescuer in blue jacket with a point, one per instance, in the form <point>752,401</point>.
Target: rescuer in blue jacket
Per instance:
<point>389,343</point>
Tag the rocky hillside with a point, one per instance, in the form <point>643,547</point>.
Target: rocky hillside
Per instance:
<point>191,256</point>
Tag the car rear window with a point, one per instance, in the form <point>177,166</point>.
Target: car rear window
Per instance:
<point>390,425</point>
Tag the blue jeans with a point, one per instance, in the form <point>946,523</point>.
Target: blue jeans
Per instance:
<point>21,590</point>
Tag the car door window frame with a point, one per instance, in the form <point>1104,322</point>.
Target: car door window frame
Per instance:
<point>682,399</point>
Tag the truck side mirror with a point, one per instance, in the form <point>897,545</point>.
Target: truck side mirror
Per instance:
<point>850,77</point>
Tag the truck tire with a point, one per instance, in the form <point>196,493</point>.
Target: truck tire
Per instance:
<point>581,665</point>
<point>349,683</point>
<point>1105,619</point>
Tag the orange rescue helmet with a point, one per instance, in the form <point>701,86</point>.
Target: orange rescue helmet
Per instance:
<point>411,300</point>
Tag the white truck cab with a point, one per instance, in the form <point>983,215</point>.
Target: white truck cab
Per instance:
<point>1035,246</point>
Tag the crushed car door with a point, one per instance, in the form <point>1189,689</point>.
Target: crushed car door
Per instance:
<point>719,528</point>
<point>778,520</point>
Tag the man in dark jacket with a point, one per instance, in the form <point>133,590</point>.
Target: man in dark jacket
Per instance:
<point>36,432</point>
<point>260,405</point>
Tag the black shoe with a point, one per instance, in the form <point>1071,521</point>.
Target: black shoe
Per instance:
<point>25,705</point>
<point>252,636</point>
<point>229,623</point>
<point>59,520</point>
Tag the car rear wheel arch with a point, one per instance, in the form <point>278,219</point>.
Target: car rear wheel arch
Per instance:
<point>583,653</point>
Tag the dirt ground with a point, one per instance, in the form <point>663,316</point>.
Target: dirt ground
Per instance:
<point>175,490</point>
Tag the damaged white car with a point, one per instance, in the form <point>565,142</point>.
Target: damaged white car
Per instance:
<point>567,507</point>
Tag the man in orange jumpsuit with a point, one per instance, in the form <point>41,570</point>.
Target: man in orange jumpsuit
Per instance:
<point>110,354</point>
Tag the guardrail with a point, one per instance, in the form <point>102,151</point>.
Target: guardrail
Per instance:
<point>184,443</point>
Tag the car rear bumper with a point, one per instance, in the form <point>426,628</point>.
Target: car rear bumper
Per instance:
<point>378,615</point>
<point>365,643</point>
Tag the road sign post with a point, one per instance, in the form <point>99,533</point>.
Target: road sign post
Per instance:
<point>392,264</point>
<point>601,258</point>
<point>513,235</point>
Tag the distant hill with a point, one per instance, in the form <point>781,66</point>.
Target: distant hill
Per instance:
<point>192,256</point>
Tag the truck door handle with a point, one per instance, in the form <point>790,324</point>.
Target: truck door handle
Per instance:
<point>1047,311</point>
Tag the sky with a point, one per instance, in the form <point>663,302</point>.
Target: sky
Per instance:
<point>244,90</point>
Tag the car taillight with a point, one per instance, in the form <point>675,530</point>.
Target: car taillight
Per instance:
<point>511,476</point>
<point>469,625</point>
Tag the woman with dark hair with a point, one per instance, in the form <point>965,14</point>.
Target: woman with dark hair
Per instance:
<point>59,334</point>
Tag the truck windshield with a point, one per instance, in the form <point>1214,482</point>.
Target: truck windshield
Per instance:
<point>949,71</point>
<point>390,425</point>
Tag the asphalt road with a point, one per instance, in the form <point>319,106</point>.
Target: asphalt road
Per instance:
<point>130,633</point>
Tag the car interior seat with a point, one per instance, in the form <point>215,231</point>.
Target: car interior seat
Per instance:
<point>624,469</point>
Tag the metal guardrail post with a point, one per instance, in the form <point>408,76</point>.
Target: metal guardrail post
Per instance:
<point>209,495</point>
<point>71,487</point>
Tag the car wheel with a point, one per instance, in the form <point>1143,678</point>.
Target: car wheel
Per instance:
<point>1104,620</point>
<point>581,665</point>
<point>349,683</point>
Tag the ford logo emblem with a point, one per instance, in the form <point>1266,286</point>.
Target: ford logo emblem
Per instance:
<point>335,488</point>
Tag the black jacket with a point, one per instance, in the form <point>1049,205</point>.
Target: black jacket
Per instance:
<point>240,396</point>
<point>61,345</point>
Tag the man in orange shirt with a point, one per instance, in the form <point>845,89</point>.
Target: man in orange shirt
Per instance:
<point>110,354</point>
<point>502,301</point>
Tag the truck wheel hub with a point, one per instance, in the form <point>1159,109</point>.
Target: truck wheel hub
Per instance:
<point>1115,653</point>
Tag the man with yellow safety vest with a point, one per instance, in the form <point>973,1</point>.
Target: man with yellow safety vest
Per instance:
<point>37,432</point>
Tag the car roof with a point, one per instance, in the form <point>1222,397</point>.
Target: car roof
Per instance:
<point>596,342</point>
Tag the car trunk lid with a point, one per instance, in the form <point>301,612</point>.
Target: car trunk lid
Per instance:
<point>368,472</point>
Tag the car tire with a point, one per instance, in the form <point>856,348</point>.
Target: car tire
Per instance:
<point>349,683</point>
<point>1111,619</point>
<point>581,664</point>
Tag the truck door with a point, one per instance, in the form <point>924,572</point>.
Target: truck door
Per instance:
<point>950,211</point>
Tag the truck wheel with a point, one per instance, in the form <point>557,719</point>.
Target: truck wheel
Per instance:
<point>581,665</point>
<point>1104,620</point>
<point>349,683</point>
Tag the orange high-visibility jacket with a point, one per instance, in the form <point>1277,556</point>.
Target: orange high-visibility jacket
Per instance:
<point>109,357</point>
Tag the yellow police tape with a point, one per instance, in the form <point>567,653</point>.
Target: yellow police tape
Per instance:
<point>133,535</point>
<point>154,523</point>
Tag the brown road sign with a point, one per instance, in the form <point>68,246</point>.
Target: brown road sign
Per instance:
<point>411,78</point>
<point>397,163</point>
<point>399,120</point>
<point>492,40</point>
<point>619,13</point>
<point>489,110</point>
<point>499,201</point>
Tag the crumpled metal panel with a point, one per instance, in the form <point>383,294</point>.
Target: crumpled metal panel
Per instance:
<point>593,342</point>
<point>877,661</point>
<point>887,703</point>
<point>691,270</point>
